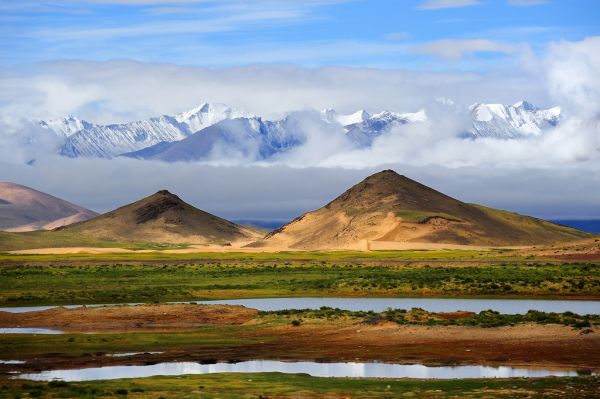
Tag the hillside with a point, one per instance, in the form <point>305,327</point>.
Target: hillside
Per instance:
<point>388,207</point>
<point>162,218</point>
<point>25,209</point>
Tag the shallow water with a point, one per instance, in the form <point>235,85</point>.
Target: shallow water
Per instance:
<point>127,354</point>
<point>372,370</point>
<point>506,306</point>
<point>28,331</point>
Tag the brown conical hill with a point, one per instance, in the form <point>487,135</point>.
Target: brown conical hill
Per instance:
<point>162,218</point>
<point>388,207</point>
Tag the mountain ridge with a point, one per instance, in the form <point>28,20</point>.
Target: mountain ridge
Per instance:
<point>149,138</point>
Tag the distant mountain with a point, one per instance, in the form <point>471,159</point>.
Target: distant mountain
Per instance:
<point>66,126</point>
<point>25,209</point>
<point>362,128</point>
<point>250,138</point>
<point>216,130</point>
<point>511,121</point>
<point>388,207</point>
<point>84,139</point>
<point>161,218</point>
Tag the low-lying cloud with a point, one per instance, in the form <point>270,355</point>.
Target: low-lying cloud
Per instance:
<point>556,174</point>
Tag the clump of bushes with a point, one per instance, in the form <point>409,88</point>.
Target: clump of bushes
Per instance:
<point>486,318</point>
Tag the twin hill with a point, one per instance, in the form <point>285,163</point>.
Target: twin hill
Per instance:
<point>385,208</point>
<point>388,207</point>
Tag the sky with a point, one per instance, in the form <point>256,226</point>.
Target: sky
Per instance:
<point>110,61</point>
<point>414,34</point>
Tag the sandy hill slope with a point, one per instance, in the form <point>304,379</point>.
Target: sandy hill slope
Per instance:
<point>162,218</point>
<point>25,209</point>
<point>388,207</point>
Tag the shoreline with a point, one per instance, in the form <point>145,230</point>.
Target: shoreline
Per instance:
<point>226,333</point>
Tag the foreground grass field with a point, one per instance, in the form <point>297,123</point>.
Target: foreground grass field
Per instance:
<point>275,385</point>
<point>111,282</point>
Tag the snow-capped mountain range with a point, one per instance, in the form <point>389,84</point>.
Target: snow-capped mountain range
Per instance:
<point>217,129</point>
<point>511,121</point>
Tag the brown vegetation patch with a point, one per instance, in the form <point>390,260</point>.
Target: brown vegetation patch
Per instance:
<point>124,318</point>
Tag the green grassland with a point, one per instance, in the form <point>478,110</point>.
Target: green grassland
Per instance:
<point>271,385</point>
<point>493,254</point>
<point>59,239</point>
<point>278,385</point>
<point>161,282</point>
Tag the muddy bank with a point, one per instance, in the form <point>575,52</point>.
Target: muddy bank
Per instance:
<point>127,318</point>
<point>199,331</point>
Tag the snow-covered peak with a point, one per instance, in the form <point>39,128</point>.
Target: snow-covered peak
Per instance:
<point>525,105</point>
<point>65,126</point>
<point>207,114</point>
<point>419,116</point>
<point>359,116</point>
<point>511,121</point>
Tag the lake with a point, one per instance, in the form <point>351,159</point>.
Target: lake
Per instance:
<point>506,306</point>
<point>351,369</point>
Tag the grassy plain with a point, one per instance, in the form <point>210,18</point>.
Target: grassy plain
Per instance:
<point>271,385</point>
<point>120,282</point>
<point>29,280</point>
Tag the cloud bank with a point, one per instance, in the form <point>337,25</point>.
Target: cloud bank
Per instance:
<point>521,175</point>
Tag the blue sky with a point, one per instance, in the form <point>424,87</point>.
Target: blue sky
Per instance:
<point>417,34</point>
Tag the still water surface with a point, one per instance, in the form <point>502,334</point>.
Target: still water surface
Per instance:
<point>372,370</point>
<point>506,306</point>
<point>28,331</point>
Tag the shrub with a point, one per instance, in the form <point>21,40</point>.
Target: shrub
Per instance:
<point>121,391</point>
<point>582,323</point>
<point>58,384</point>
<point>296,322</point>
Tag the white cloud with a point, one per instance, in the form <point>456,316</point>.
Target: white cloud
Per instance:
<point>455,49</point>
<point>440,4</point>
<point>572,75</point>
<point>118,91</point>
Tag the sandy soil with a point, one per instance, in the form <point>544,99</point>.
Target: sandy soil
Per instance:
<point>73,250</point>
<point>126,318</point>
<point>240,247</point>
<point>581,250</point>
